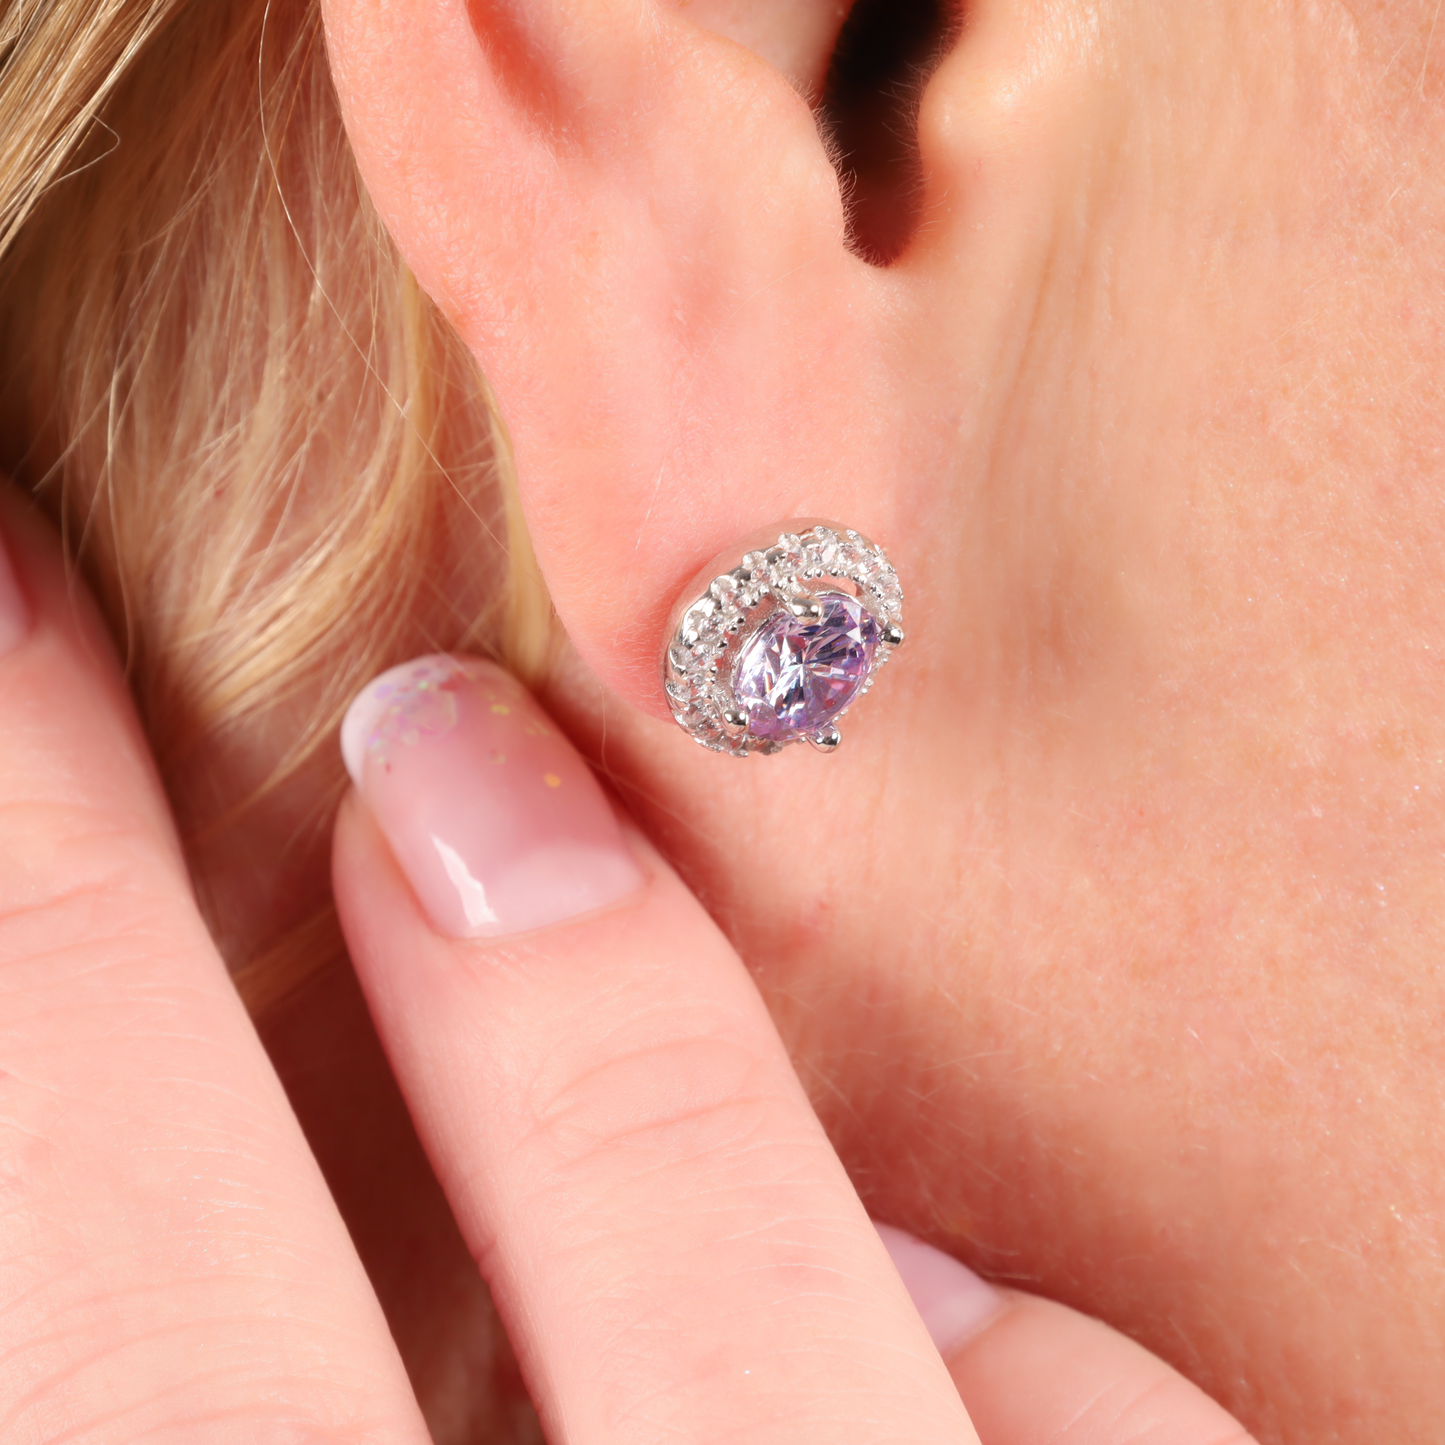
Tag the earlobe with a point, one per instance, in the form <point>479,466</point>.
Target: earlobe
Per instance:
<point>656,281</point>
<point>637,227</point>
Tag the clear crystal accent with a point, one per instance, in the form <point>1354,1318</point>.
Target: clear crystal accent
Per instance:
<point>705,666</point>
<point>724,589</point>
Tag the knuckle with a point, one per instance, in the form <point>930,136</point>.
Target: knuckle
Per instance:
<point>74,878</point>
<point>97,1385</point>
<point>1161,1410</point>
<point>673,1102</point>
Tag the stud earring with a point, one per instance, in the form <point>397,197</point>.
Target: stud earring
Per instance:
<point>775,650</point>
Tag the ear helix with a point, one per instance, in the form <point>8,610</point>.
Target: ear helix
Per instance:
<point>774,648</point>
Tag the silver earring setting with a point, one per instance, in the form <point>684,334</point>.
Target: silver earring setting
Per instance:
<point>776,650</point>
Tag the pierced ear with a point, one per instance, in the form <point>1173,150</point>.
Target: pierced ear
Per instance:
<point>635,223</point>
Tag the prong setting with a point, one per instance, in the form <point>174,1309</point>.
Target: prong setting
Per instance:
<point>821,587</point>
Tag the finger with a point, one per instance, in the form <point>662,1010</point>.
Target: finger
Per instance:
<point>171,1265</point>
<point>673,1244</point>
<point>1033,1372</point>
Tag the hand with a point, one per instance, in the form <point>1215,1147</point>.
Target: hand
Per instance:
<point>1108,943</point>
<point>627,1150</point>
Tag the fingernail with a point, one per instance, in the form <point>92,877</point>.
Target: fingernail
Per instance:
<point>498,824</point>
<point>14,610</point>
<point>953,1301</point>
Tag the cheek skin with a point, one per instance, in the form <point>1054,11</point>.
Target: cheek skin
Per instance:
<point>1129,991</point>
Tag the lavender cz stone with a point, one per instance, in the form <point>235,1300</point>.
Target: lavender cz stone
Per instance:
<point>793,678</point>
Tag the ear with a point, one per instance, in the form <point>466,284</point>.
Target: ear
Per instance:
<point>635,223</point>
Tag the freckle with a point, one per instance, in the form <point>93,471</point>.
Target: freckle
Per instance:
<point>552,780</point>
<point>500,707</point>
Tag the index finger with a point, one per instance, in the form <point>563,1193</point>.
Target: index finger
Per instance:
<point>671,1240</point>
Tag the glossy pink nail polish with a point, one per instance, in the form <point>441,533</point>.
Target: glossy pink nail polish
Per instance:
<point>952,1300</point>
<point>498,824</point>
<point>14,609</point>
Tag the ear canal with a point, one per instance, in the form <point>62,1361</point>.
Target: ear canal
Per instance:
<point>885,54</point>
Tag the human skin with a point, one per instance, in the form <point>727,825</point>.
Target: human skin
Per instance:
<point>623,1141</point>
<point>1107,942</point>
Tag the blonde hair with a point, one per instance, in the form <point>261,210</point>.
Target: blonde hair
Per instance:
<point>260,439</point>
